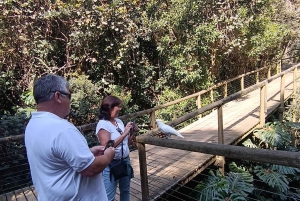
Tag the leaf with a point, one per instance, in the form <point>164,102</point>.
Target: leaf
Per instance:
<point>249,143</point>
<point>285,170</point>
<point>240,183</point>
<point>210,187</point>
<point>274,179</point>
<point>275,134</point>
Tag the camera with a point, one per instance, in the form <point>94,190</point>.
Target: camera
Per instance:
<point>110,143</point>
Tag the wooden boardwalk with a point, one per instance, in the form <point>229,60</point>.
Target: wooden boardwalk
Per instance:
<point>24,194</point>
<point>169,167</point>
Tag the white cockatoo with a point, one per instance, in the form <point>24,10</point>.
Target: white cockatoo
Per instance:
<point>166,129</point>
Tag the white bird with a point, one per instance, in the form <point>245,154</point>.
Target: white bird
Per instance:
<point>166,129</point>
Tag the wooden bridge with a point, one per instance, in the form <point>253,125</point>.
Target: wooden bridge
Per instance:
<point>160,170</point>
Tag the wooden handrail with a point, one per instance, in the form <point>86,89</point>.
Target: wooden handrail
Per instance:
<point>92,126</point>
<point>259,155</point>
<point>286,158</point>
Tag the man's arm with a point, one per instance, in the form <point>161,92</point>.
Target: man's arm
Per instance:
<point>99,164</point>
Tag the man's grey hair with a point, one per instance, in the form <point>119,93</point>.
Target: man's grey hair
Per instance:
<point>45,87</point>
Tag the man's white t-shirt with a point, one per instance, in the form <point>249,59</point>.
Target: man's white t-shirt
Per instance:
<point>57,153</point>
<point>114,134</point>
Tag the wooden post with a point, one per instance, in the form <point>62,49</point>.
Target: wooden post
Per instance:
<point>278,67</point>
<point>262,106</point>
<point>269,72</point>
<point>257,77</point>
<point>143,171</point>
<point>266,98</point>
<point>281,108</point>
<point>225,90</point>
<point>242,83</point>
<point>220,125</point>
<point>198,102</point>
<point>295,81</point>
<point>220,160</point>
<point>152,120</point>
<point>294,131</point>
<point>212,95</point>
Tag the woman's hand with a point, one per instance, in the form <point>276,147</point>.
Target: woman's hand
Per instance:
<point>135,128</point>
<point>127,128</point>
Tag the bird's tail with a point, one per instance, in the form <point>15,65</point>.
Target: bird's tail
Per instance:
<point>179,135</point>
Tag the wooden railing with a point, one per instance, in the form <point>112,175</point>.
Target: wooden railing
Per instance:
<point>259,155</point>
<point>151,112</point>
<point>262,78</point>
<point>260,74</point>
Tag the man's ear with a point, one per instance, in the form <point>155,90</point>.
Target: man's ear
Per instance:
<point>57,97</point>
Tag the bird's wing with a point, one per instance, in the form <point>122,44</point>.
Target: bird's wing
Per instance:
<point>166,129</point>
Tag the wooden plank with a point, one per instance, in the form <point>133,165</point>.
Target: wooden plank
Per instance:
<point>34,192</point>
<point>3,197</point>
<point>20,195</point>
<point>29,194</point>
<point>10,196</point>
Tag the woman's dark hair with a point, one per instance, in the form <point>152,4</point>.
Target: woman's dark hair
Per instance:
<point>107,105</point>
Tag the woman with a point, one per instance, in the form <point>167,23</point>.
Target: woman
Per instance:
<point>108,128</point>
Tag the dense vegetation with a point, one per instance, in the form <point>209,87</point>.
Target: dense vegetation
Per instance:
<point>146,52</point>
<point>143,49</point>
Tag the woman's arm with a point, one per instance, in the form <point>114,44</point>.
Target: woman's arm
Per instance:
<point>104,135</point>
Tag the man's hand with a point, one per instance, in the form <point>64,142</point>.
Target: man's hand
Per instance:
<point>97,150</point>
<point>100,162</point>
<point>110,151</point>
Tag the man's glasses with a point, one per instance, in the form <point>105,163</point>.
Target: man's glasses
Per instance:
<point>64,93</point>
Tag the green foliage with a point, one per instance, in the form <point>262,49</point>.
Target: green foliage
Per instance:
<point>13,124</point>
<point>177,110</point>
<point>86,100</point>
<point>274,179</point>
<point>234,186</point>
<point>249,143</point>
<point>293,113</point>
<point>273,135</point>
<point>281,180</point>
<point>273,182</point>
<point>173,111</point>
<point>144,47</point>
<point>210,188</point>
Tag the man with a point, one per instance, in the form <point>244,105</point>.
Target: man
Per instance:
<point>62,165</point>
